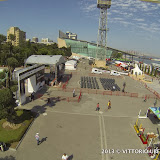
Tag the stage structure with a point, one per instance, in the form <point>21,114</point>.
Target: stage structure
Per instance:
<point>104,5</point>
<point>35,79</point>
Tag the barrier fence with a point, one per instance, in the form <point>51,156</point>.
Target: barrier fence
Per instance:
<point>153,91</point>
<point>65,84</point>
<point>155,94</point>
<point>94,91</point>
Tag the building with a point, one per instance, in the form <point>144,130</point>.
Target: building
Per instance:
<point>46,40</point>
<point>71,35</point>
<point>28,40</point>
<point>35,39</point>
<point>82,48</point>
<point>20,36</point>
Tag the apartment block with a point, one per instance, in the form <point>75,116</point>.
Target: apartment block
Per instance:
<point>20,36</point>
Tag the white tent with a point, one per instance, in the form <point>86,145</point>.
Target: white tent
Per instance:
<point>136,70</point>
<point>71,65</point>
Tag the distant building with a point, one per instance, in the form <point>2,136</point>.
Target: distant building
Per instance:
<point>28,40</point>
<point>81,47</point>
<point>35,39</point>
<point>46,40</point>
<point>71,35</point>
<point>20,36</point>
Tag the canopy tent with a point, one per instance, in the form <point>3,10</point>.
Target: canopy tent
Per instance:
<point>136,70</point>
<point>155,111</point>
<point>71,65</point>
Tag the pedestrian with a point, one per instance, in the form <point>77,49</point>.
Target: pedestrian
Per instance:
<point>65,156</point>
<point>152,79</point>
<point>109,104</point>
<point>155,102</point>
<point>37,138</point>
<point>145,98</point>
<point>49,101</point>
<point>97,109</point>
<point>114,88</point>
<point>74,93</point>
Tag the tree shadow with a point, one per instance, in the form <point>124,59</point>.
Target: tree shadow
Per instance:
<point>53,100</point>
<point>8,158</point>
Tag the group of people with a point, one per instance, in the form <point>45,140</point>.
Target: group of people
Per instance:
<point>109,106</point>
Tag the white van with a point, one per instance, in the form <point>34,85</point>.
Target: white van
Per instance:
<point>114,73</point>
<point>97,71</point>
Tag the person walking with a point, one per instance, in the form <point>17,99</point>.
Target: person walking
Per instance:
<point>145,98</point>
<point>65,156</point>
<point>74,93</point>
<point>97,109</point>
<point>109,104</point>
<point>37,138</point>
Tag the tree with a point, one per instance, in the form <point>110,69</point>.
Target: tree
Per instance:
<point>116,54</point>
<point>152,70</point>
<point>155,74</point>
<point>12,38</point>
<point>148,69</point>
<point>7,105</point>
<point>140,66</point>
<point>145,69</point>
<point>2,38</point>
<point>11,63</point>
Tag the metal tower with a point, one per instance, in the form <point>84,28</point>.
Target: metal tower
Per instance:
<point>102,30</point>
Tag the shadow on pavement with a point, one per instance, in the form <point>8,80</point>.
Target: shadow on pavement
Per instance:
<point>70,157</point>
<point>43,139</point>
<point>49,103</point>
<point>154,119</point>
<point>8,158</point>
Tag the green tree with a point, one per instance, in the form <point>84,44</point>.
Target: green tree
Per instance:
<point>148,69</point>
<point>7,105</point>
<point>2,38</point>
<point>145,69</point>
<point>152,70</point>
<point>140,66</point>
<point>11,63</point>
<point>116,54</point>
<point>155,74</point>
<point>12,38</point>
<point>43,51</point>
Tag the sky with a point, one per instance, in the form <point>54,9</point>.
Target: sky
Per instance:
<point>133,24</point>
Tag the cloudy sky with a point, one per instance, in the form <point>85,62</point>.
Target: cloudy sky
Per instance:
<point>133,25</point>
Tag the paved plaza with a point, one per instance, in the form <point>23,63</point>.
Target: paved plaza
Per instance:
<point>80,131</point>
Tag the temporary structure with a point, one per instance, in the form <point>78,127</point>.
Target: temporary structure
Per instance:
<point>71,65</point>
<point>136,70</point>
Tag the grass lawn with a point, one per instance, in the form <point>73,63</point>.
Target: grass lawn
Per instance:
<point>9,135</point>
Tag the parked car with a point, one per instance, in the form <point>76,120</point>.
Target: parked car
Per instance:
<point>97,71</point>
<point>114,73</point>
